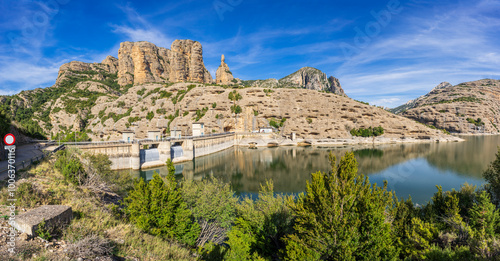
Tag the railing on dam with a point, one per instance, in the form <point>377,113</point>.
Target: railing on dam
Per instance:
<point>121,142</point>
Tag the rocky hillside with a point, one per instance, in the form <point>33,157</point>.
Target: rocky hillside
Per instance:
<point>309,113</point>
<point>468,108</point>
<point>149,87</point>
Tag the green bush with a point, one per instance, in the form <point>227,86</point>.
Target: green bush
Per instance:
<point>213,205</point>
<point>342,217</point>
<point>70,167</point>
<point>157,208</point>
<point>150,115</point>
<point>236,109</point>
<point>492,176</point>
<point>370,132</point>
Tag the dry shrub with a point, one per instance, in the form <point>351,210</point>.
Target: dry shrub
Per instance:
<point>91,246</point>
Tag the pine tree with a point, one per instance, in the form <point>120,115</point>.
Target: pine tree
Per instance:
<point>492,175</point>
<point>157,208</point>
<point>342,217</point>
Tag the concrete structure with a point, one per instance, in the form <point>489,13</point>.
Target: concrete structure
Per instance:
<point>154,135</point>
<point>175,134</point>
<point>128,155</point>
<point>128,136</point>
<point>55,216</point>
<point>198,129</point>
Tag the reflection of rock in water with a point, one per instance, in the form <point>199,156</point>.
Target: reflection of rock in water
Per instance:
<point>290,167</point>
<point>469,158</point>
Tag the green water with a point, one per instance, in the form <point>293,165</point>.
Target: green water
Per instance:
<point>410,169</point>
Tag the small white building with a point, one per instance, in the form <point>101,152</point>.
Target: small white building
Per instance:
<point>154,135</point>
<point>127,135</point>
<point>266,130</point>
<point>198,129</point>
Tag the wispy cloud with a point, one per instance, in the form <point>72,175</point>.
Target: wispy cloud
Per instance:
<point>140,29</point>
<point>450,45</point>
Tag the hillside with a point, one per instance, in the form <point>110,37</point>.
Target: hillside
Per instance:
<point>468,108</point>
<point>150,87</point>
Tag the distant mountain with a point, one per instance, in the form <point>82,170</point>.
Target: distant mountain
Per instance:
<point>471,107</point>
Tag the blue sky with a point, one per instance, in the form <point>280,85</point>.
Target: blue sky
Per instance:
<point>383,52</point>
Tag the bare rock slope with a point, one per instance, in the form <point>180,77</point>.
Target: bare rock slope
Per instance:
<point>468,108</point>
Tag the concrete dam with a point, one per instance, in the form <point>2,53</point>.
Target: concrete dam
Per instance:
<point>139,154</point>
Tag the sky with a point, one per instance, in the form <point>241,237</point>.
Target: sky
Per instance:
<point>383,52</point>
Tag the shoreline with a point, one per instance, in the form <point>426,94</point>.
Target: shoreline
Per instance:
<point>273,142</point>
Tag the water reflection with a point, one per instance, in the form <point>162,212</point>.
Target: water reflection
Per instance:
<point>410,169</point>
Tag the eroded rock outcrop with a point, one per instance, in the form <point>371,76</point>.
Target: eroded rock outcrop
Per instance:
<point>142,62</point>
<point>312,79</point>
<point>223,74</point>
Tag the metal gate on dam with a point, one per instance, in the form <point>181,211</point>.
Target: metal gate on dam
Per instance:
<point>139,154</point>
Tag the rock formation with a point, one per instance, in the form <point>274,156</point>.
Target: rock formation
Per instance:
<point>142,62</point>
<point>223,74</point>
<point>312,79</point>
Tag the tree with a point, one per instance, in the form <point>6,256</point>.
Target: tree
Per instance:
<point>492,175</point>
<point>342,217</point>
<point>158,208</point>
<point>236,109</point>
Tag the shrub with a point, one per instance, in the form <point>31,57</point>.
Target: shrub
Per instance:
<point>214,105</point>
<point>92,246</point>
<point>341,217</point>
<point>43,231</point>
<point>70,167</point>
<point>150,115</point>
<point>213,205</point>
<point>370,132</point>
<point>158,209</point>
<point>492,176</point>
<point>236,109</point>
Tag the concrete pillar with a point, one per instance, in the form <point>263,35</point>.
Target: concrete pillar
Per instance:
<point>164,150</point>
<point>135,156</point>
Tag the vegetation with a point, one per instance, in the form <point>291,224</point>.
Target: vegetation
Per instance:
<point>370,132</point>
<point>276,124</point>
<point>141,91</point>
<point>200,113</point>
<point>342,216</point>
<point>323,231</point>
<point>71,136</point>
<point>236,109</point>
<point>365,103</point>
<point>150,115</point>
<point>157,208</point>
<point>477,122</point>
<point>460,99</point>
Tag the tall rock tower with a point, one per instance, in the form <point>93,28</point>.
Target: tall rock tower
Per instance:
<point>223,74</point>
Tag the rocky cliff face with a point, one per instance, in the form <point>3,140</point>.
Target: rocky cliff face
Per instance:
<point>143,62</point>
<point>312,79</point>
<point>223,74</point>
<point>472,107</point>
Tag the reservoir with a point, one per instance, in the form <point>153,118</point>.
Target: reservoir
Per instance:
<point>410,169</point>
